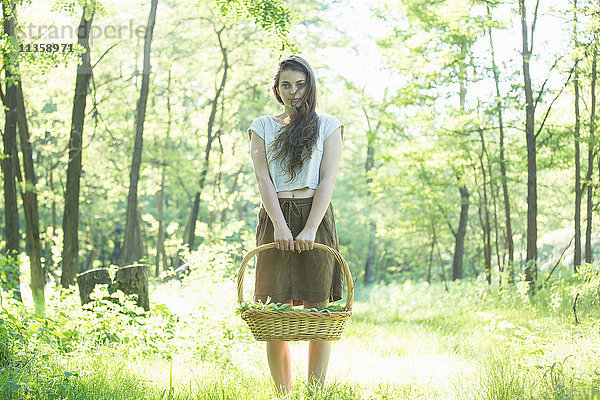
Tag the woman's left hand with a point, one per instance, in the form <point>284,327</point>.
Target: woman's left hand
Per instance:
<point>305,239</point>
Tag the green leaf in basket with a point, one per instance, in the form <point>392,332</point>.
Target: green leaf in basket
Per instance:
<point>334,308</point>
<point>283,307</point>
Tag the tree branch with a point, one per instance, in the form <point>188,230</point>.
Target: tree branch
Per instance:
<point>105,53</point>
<point>535,15</point>
<point>541,91</point>
<point>553,101</point>
<point>557,262</point>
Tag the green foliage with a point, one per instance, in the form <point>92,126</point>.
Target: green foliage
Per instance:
<point>213,262</point>
<point>271,15</point>
<point>9,272</point>
<point>404,341</point>
<point>588,279</point>
<point>13,338</point>
<point>114,320</point>
<point>283,307</point>
<point>74,7</point>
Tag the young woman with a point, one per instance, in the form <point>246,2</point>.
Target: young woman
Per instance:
<point>296,156</point>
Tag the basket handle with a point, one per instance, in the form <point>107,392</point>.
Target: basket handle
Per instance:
<point>334,252</point>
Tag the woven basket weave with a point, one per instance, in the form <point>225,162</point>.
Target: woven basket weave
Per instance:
<point>297,325</point>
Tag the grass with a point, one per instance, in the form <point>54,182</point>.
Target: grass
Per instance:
<point>404,341</point>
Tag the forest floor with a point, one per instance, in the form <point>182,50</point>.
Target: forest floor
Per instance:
<point>404,341</point>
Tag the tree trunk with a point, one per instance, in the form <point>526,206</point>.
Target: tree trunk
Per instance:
<point>578,190</point>
<point>462,77</point>
<point>503,179</point>
<point>487,247</point>
<point>87,281</point>
<point>443,271</point>
<point>161,256</point>
<point>459,245</point>
<point>53,207</point>
<point>494,193</point>
<point>30,204</point>
<point>133,249</point>
<point>531,258</point>
<point>116,254</point>
<point>70,253</point>
<point>431,252</point>
<point>591,154</point>
<point>369,163</point>
<point>10,164</point>
<point>191,223</point>
<point>190,238</point>
<point>133,279</point>
<point>593,118</point>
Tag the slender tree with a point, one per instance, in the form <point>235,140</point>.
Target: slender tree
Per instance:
<point>70,252</point>
<point>503,177</point>
<point>30,205</point>
<point>161,256</point>
<point>527,48</point>
<point>594,80</point>
<point>28,187</point>
<point>369,164</point>
<point>460,234</point>
<point>487,244</point>
<point>592,151</point>
<point>211,136</point>
<point>576,139</point>
<point>10,163</point>
<point>133,249</point>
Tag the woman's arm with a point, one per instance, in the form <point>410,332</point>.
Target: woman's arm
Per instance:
<point>332,151</point>
<point>281,232</point>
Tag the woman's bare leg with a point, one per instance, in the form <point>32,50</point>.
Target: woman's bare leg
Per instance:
<point>280,364</point>
<point>318,355</point>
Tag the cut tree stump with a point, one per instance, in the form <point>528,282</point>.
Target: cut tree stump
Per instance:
<point>88,280</point>
<point>133,279</point>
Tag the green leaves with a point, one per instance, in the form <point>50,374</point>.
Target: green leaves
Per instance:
<point>73,7</point>
<point>283,307</point>
<point>272,16</point>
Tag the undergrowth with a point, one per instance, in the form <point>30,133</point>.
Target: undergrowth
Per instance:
<point>404,341</point>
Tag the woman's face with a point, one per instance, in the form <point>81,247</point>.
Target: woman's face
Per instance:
<point>291,87</point>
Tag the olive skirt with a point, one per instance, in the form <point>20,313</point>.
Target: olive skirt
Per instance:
<point>312,275</point>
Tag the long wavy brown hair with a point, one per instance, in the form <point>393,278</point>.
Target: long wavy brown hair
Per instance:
<point>296,141</point>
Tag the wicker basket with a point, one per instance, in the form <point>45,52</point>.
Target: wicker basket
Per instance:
<point>297,325</point>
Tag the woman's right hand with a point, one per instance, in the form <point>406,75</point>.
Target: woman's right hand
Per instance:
<point>282,236</point>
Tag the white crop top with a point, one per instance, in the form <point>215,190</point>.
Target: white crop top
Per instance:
<point>266,127</point>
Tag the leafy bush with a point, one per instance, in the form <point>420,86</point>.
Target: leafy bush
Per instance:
<point>588,288</point>
<point>13,335</point>
<point>9,273</point>
<point>116,321</point>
